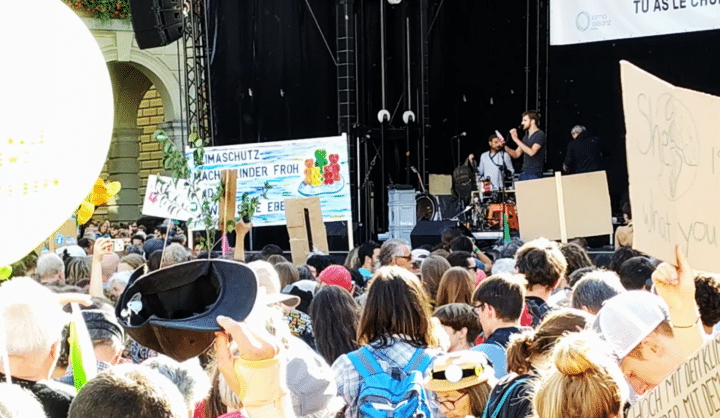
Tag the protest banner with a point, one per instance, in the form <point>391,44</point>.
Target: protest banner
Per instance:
<point>690,391</point>
<point>564,207</point>
<point>673,166</point>
<point>293,169</point>
<point>580,21</point>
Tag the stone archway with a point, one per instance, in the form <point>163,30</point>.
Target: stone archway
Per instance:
<point>135,74</point>
<point>133,154</point>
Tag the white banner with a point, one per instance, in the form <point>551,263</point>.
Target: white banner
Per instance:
<point>297,168</point>
<point>581,21</point>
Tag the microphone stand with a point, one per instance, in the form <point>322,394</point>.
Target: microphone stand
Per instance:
<point>504,196</point>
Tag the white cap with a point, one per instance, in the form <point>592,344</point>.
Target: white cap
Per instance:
<point>626,319</point>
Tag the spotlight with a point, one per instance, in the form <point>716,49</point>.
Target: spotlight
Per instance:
<point>394,1</point>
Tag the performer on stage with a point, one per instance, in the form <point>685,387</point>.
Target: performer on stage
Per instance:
<point>583,152</point>
<point>493,162</point>
<point>531,147</point>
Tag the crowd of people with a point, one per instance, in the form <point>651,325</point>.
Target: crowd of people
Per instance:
<point>524,329</point>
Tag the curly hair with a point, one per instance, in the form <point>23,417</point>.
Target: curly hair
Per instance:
<point>542,263</point>
<point>576,257</point>
<point>707,297</point>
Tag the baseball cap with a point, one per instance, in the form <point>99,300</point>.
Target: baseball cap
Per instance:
<point>626,319</point>
<point>152,245</point>
<point>102,325</point>
<point>337,275</point>
<point>305,290</point>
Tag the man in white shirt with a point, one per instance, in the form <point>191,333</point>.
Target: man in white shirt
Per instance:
<point>493,162</point>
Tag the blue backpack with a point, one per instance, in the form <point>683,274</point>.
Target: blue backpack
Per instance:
<point>384,396</point>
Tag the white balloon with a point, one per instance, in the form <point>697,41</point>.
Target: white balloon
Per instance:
<point>56,120</point>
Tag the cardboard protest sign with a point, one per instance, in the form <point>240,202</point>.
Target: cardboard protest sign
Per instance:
<point>585,209</point>
<point>691,391</point>
<point>305,227</point>
<point>673,151</point>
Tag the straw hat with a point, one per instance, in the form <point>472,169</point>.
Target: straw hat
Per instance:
<point>460,370</point>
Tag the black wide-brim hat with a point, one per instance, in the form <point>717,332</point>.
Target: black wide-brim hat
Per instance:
<point>173,310</point>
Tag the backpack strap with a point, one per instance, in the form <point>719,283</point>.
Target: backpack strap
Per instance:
<point>419,361</point>
<point>365,362</point>
<point>507,392</point>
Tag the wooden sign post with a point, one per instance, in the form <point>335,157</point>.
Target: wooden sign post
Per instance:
<point>226,206</point>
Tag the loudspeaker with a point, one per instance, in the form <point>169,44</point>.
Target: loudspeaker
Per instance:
<point>156,22</point>
<point>428,232</point>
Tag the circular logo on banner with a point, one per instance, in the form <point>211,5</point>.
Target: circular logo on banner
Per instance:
<point>583,21</point>
<point>56,121</point>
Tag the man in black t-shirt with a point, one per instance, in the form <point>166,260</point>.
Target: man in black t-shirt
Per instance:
<point>531,147</point>
<point>583,152</point>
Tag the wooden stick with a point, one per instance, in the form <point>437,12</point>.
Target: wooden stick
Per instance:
<point>561,207</point>
<point>226,204</point>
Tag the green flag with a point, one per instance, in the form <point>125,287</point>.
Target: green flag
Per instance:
<point>506,228</point>
<point>82,355</point>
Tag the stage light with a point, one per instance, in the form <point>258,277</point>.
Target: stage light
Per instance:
<point>393,2</point>
<point>56,121</point>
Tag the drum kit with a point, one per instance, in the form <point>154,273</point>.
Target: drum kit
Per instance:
<point>484,213</point>
<point>488,206</point>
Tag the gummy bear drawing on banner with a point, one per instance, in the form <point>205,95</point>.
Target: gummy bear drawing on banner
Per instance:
<point>322,176</point>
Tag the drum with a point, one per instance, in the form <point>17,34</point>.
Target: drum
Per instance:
<point>494,216</point>
<point>426,206</point>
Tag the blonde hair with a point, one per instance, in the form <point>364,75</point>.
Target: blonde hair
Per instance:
<point>584,382</point>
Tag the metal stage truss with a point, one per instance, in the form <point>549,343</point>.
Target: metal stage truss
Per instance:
<point>196,89</point>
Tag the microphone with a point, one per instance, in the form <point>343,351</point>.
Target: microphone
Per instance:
<point>461,134</point>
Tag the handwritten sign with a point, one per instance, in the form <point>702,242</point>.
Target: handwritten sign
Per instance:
<point>691,391</point>
<point>167,198</point>
<point>673,151</point>
<point>317,167</point>
<point>585,206</point>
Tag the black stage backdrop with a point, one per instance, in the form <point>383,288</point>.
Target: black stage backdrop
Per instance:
<point>585,88</point>
<point>272,76</point>
<point>274,79</point>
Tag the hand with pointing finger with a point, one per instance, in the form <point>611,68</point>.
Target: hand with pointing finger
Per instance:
<point>676,285</point>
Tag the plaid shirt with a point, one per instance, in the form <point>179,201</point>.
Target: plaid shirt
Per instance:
<point>397,355</point>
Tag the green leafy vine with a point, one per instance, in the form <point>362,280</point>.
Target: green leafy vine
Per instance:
<point>175,162</point>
